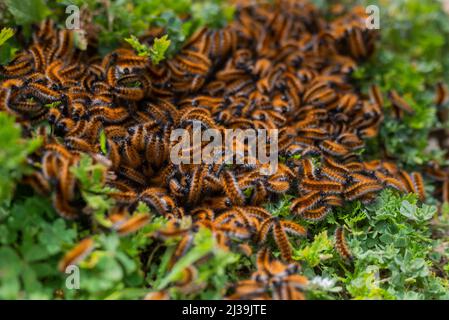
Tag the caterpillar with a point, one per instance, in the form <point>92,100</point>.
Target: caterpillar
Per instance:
<point>341,245</point>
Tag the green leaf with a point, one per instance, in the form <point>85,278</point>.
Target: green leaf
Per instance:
<point>5,34</point>
<point>33,252</point>
<point>412,212</point>
<point>93,189</point>
<point>427,212</point>
<point>53,104</point>
<point>159,48</point>
<point>10,269</point>
<point>26,12</point>
<point>7,53</point>
<point>317,251</point>
<point>54,236</point>
<point>408,210</point>
<point>366,285</point>
<point>282,207</point>
<point>141,49</point>
<point>13,153</point>
<point>103,142</point>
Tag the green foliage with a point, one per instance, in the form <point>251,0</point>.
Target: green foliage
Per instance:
<point>319,250</point>
<point>213,273</point>
<point>7,52</point>
<point>212,13</point>
<point>281,208</point>
<point>26,12</point>
<point>93,191</point>
<point>53,104</point>
<point>32,239</point>
<point>13,152</point>
<point>156,53</point>
<point>20,13</point>
<point>392,251</point>
<point>5,34</point>
<point>322,288</point>
<point>399,252</point>
<point>366,285</point>
<point>118,19</point>
<point>141,49</point>
<point>103,141</point>
<point>411,58</point>
<point>111,271</point>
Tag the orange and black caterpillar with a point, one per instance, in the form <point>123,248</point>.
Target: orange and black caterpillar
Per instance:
<point>341,246</point>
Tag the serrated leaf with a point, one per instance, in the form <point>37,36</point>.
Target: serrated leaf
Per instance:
<point>408,210</point>
<point>159,48</point>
